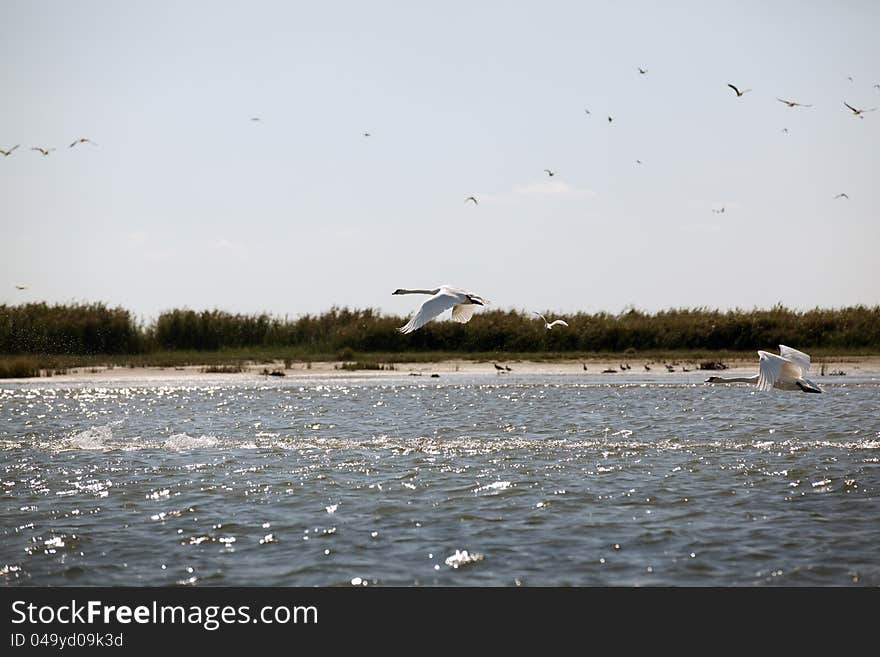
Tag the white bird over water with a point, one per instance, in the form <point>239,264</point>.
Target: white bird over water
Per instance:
<point>443,298</point>
<point>787,371</point>
<point>550,325</point>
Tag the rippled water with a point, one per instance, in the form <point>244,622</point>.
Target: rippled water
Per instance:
<point>462,480</point>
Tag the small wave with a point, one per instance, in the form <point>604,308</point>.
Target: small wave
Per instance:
<point>463,558</point>
<point>185,441</point>
<point>94,438</point>
<point>495,485</point>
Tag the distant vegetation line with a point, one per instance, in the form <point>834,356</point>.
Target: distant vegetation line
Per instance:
<point>84,329</point>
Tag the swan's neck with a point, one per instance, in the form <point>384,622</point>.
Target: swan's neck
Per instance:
<point>735,379</point>
<point>417,291</point>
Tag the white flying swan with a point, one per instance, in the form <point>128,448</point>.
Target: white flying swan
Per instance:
<point>787,372</point>
<point>550,325</point>
<point>443,298</point>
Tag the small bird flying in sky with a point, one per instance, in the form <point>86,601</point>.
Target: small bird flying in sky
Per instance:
<point>550,173</point>
<point>9,152</point>
<point>83,140</point>
<point>738,92</point>
<point>792,103</point>
<point>471,198</point>
<point>858,112</point>
<point>550,325</point>
<point>44,151</point>
<point>842,195</point>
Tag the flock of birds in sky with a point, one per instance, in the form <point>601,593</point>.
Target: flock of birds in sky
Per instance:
<point>786,371</point>
<point>739,93</point>
<point>45,151</point>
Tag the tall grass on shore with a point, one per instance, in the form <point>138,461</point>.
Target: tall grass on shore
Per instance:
<point>19,367</point>
<point>38,328</point>
<point>78,334</point>
<point>367,331</point>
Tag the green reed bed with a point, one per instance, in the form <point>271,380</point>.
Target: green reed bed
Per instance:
<point>88,335</point>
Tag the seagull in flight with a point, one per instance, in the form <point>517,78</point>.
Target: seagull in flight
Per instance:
<point>738,92</point>
<point>642,70</point>
<point>589,112</point>
<point>842,195</point>
<point>638,162</point>
<point>21,287</point>
<point>785,130</point>
<point>550,173</point>
<point>550,325</point>
<point>721,211</point>
<point>44,151</point>
<point>9,152</point>
<point>610,119</point>
<point>367,134</point>
<point>858,112</point>
<point>792,103</point>
<point>471,198</point>
<point>256,118</point>
<point>83,140</point>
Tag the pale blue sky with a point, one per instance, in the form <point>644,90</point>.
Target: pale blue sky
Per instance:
<point>187,202</point>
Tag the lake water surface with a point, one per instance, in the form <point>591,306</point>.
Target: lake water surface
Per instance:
<point>463,480</point>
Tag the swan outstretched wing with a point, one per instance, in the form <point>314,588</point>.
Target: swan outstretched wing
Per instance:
<point>799,358</point>
<point>463,312</point>
<point>540,315</point>
<point>769,369</point>
<point>561,322</point>
<point>433,306</point>
<point>773,368</point>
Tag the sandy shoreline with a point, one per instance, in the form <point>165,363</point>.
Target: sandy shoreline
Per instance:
<point>851,365</point>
